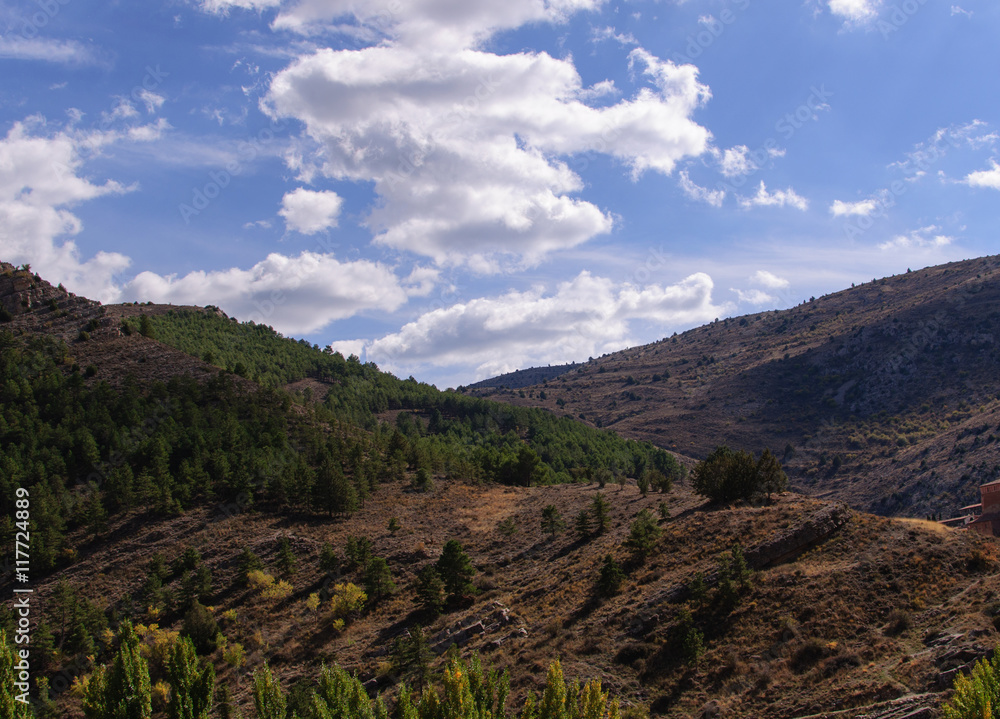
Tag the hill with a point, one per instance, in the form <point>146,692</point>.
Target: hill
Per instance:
<point>884,395</point>
<point>159,480</point>
<point>524,377</point>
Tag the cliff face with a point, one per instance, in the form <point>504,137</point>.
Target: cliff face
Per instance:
<point>23,292</point>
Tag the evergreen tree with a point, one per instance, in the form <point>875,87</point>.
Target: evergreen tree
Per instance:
<point>430,589</point>
<point>610,579</point>
<point>201,627</point>
<point>329,563</point>
<point>286,559</point>
<point>599,508</point>
<point>583,525</point>
<point>413,653</point>
<point>378,579</point>
<point>643,535</point>
<point>146,327</point>
<point>455,569</point>
<point>249,562</point>
<point>192,683</point>
<point>123,690</point>
<point>358,551</point>
<point>552,521</point>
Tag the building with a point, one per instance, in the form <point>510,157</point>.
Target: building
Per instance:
<point>985,516</point>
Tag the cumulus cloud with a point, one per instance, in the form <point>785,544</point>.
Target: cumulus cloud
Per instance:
<point>296,295</point>
<point>697,192</point>
<point>778,198</point>
<point>855,10</point>
<point>924,238</point>
<point>309,212</point>
<point>769,280</point>
<point>465,147</point>
<point>740,160</point>
<point>431,23</point>
<point>985,178</point>
<point>587,315</point>
<point>40,181</point>
<point>754,297</point>
<point>864,208</point>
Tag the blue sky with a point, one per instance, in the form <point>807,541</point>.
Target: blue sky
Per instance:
<point>458,188</point>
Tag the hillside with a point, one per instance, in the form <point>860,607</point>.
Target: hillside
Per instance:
<point>524,377</point>
<point>158,478</point>
<point>884,395</point>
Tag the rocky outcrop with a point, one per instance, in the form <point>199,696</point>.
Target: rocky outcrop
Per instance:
<point>494,624</point>
<point>812,531</point>
<point>24,294</point>
<point>912,706</point>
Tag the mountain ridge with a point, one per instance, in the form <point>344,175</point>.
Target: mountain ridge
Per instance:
<point>872,375</point>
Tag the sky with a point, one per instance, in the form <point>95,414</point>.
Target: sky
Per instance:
<point>454,189</point>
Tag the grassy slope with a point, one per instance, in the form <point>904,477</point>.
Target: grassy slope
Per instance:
<point>814,633</point>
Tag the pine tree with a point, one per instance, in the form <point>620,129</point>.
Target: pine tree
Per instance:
<point>643,535</point>
<point>329,562</point>
<point>123,690</point>
<point>599,508</point>
<point>191,685</point>
<point>378,579</point>
<point>552,521</point>
<point>583,525</point>
<point>455,569</point>
<point>249,562</point>
<point>430,589</point>
<point>286,559</point>
<point>610,579</point>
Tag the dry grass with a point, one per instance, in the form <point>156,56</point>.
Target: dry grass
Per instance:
<point>808,632</point>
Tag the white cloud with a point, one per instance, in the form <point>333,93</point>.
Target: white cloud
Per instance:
<point>769,280</point>
<point>463,146</point>
<point>609,33</point>
<point>440,24</point>
<point>754,297</point>
<point>924,238</point>
<point>699,193</point>
<point>778,198</point>
<point>958,10</point>
<point>148,133</point>
<point>926,154</point>
<point>740,160</point>
<point>67,52</point>
<point>421,281</point>
<point>309,212</point>
<point>855,10</point>
<point>151,100</point>
<point>296,295</point>
<point>223,6</point>
<point>585,316</point>
<point>40,180</point>
<point>864,208</point>
<point>985,178</point>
